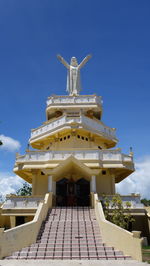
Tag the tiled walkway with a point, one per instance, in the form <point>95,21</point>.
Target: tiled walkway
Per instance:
<point>69,233</point>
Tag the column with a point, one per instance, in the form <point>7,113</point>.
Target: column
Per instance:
<point>54,187</point>
<point>50,183</point>
<point>113,185</point>
<point>93,184</point>
<point>12,221</point>
<point>33,185</point>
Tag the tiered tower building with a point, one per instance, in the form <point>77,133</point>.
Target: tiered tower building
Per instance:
<point>72,162</point>
<point>73,153</point>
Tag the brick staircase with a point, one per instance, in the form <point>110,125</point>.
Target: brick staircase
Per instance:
<point>69,233</point>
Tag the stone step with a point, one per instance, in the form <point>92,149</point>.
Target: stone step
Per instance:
<point>69,233</point>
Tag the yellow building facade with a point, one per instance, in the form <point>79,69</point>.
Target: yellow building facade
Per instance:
<point>73,153</point>
<point>71,157</point>
<point>72,148</point>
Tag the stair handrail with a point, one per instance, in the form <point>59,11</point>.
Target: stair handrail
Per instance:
<point>26,234</point>
<point>128,242</point>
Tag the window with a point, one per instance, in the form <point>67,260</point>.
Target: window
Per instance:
<point>42,173</point>
<point>103,172</point>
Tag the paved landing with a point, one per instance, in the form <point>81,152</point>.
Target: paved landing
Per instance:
<point>71,263</point>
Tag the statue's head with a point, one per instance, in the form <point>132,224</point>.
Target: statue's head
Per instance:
<point>73,61</point>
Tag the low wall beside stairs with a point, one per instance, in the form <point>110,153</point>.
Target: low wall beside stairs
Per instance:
<point>24,235</point>
<point>119,238</point>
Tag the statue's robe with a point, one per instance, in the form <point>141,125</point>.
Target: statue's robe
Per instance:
<point>73,80</point>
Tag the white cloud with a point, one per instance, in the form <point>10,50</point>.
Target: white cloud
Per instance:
<point>9,183</point>
<point>139,181</point>
<point>9,143</point>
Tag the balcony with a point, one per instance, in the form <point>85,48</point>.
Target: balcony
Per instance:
<point>99,127</point>
<point>66,121</point>
<point>105,156</point>
<point>134,200</point>
<point>71,100</point>
<point>120,165</point>
<point>21,202</point>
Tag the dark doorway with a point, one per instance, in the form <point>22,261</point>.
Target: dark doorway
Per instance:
<point>61,192</point>
<point>20,220</point>
<point>83,192</point>
<point>71,193</point>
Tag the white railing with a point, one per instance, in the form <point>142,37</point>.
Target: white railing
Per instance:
<point>48,127</point>
<point>90,99</point>
<point>113,235</point>
<point>99,126</point>
<point>65,120</point>
<point>134,200</point>
<point>22,202</point>
<point>99,155</point>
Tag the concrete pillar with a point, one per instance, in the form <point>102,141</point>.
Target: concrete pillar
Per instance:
<point>33,185</point>
<point>50,183</point>
<point>54,187</point>
<point>113,185</point>
<point>12,221</point>
<point>93,184</point>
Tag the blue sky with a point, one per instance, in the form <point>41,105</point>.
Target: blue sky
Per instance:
<point>115,32</point>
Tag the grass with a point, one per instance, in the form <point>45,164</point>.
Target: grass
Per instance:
<point>146,254</point>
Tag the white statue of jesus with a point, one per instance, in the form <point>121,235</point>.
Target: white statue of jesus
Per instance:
<point>73,76</point>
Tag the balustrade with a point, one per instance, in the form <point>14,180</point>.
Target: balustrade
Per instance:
<point>134,200</point>
<point>21,202</point>
<point>92,124</point>
<point>54,100</point>
<point>102,155</point>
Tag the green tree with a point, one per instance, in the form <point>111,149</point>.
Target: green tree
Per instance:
<point>1,143</point>
<point>146,202</point>
<point>116,213</point>
<point>25,190</point>
<point>1,198</point>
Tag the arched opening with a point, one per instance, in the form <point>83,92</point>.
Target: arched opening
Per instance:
<point>72,193</point>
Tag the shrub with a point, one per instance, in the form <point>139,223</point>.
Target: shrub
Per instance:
<point>25,190</point>
<point>116,213</point>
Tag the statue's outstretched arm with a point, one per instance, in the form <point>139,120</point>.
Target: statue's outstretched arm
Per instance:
<point>84,60</point>
<point>63,61</point>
